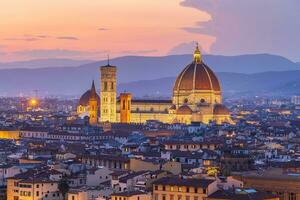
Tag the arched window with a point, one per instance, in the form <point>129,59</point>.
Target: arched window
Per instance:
<point>105,86</point>
<point>123,107</point>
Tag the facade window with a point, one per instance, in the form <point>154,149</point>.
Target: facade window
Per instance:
<point>187,189</point>
<point>196,198</point>
<point>204,191</point>
<point>73,197</point>
<point>187,197</point>
<point>105,86</point>
<point>37,193</point>
<point>112,85</point>
<point>179,189</point>
<point>171,197</point>
<point>172,188</point>
<point>196,190</point>
<point>164,197</point>
<point>156,197</point>
<point>164,188</point>
<point>292,196</point>
<point>156,187</point>
<point>124,106</point>
<point>179,197</point>
<point>25,193</point>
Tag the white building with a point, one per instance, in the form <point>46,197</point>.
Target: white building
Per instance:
<point>295,100</point>
<point>96,176</point>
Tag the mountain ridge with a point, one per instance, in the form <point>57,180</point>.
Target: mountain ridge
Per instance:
<point>265,83</point>
<point>76,80</point>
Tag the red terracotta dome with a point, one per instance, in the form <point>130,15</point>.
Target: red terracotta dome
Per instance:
<point>220,109</point>
<point>197,76</point>
<point>184,110</point>
<point>84,99</point>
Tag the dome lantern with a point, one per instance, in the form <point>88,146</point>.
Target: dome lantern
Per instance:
<point>197,55</point>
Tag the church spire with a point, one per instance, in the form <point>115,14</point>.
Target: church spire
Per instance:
<point>197,54</point>
<point>93,91</point>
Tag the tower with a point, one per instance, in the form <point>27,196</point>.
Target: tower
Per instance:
<point>93,106</point>
<point>108,93</point>
<point>125,107</point>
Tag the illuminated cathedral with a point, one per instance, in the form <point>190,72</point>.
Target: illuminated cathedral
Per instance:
<point>197,97</point>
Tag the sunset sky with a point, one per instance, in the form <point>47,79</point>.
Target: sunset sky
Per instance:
<point>91,29</point>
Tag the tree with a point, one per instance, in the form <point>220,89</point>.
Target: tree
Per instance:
<point>226,170</point>
<point>63,187</point>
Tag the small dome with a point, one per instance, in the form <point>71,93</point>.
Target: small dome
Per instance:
<point>173,107</point>
<point>184,110</point>
<point>220,109</point>
<point>84,99</point>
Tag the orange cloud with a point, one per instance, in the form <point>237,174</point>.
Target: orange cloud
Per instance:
<point>116,25</point>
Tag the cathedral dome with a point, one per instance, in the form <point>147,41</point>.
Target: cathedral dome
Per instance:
<point>197,76</point>
<point>220,109</point>
<point>84,99</point>
<point>184,110</point>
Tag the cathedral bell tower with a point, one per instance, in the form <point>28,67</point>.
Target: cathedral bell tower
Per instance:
<point>108,93</point>
<point>93,106</point>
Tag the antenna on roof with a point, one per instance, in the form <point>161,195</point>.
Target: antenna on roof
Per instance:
<point>107,59</point>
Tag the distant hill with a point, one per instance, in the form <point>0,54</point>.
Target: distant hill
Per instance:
<point>266,83</point>
<point>242,73</point>
<point>147,68</point>
<point>42,63</point>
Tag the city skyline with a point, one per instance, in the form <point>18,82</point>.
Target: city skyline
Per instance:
<point>149,100</point>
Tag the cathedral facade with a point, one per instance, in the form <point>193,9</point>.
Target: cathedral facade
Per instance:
<point>197,97</point>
